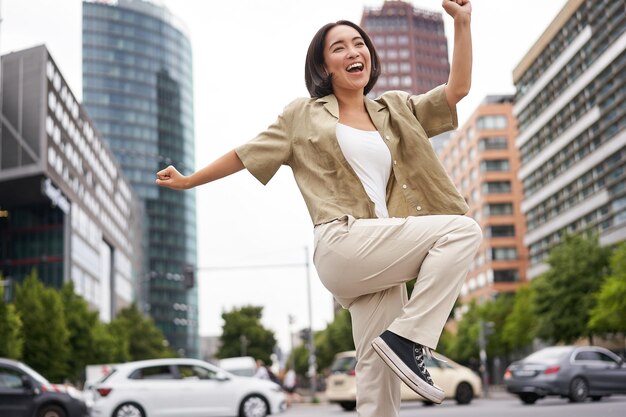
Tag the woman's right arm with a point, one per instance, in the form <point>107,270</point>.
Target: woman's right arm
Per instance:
<point>220,168</point>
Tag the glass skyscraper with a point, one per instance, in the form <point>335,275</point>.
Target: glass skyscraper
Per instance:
<point>137,87</point>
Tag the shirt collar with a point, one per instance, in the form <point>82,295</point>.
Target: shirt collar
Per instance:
<point>373,108</point>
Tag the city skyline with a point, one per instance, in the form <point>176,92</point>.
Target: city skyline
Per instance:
<point>256,225</point>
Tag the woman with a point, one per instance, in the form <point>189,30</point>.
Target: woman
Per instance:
<point>383,207</point>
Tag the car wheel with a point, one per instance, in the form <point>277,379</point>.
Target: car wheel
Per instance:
<point>348,405</point>
<point>129,410</point>
<point>578,390</point>
<point>253,406</point>
<point>464,393</point>
<point>528,398</point>
<point>596,398</point>
<point>51,411</point>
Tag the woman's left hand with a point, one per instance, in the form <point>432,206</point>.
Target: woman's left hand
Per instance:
<point>457,8</point>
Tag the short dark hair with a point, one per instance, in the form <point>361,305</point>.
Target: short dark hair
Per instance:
<point>318,82</point>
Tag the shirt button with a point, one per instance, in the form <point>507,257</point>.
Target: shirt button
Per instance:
<point>404,186</point>
<point>387,137</point>
<point>418,208</point>
<point>395,162</point>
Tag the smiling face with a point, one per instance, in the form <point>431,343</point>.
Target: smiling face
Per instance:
<point>347,59</point>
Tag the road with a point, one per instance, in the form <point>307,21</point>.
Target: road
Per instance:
<point>503,405</point>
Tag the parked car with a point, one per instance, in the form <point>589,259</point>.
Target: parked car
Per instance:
<point>241,365</point>
<point>182,387</point>
<point>457,381</point>
<point>568,371</point>
<point>25,393</point>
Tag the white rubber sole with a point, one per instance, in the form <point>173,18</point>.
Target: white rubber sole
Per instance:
<point>423,388</point>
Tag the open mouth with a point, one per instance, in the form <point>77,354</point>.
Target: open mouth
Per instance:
<point>356,67</point>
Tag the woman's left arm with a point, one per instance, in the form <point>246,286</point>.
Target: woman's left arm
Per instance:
<point>460,78</point>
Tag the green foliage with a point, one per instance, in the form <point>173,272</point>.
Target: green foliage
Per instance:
<point>465,345</point>
<point>520,327</point>
<point>246,321</point>
<point>301,355</point>
<point>496,312</point>
<point>109,347</point>
<point>44,329</point>
<point>609,314</point>
<point>81,322</point>
<point>564,294</point>
<point>143,338</point>
<point>337,337</point>
<point>11,341</point>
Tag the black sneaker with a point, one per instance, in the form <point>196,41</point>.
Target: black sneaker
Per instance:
<point>406,359</point>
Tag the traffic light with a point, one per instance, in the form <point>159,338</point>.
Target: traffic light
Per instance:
<point>189,276</point>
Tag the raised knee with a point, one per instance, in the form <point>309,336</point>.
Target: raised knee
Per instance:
<point>471,228</point>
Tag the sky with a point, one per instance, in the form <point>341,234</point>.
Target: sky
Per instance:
<point>249,54</point>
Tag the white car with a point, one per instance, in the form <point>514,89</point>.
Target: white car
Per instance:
<point>458,382</point>
<point>182,388</point>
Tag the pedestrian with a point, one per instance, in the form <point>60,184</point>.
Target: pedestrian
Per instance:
<point>289,385</point>
<point>261,370</point>
<point>383,207</point>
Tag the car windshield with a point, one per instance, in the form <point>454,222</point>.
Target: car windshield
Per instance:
<point>552,354</point>
<point>344,364</point>
<point>34,374</point>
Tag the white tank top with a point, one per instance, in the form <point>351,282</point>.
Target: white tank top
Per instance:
<point>370,158</point>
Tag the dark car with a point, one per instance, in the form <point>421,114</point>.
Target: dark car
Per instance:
<point>25,393</point>
<point>571,372</point>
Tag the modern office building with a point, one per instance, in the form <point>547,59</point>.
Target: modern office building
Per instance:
<point>137,86</point>
<point>571,110</point>
<point>66,209</point>
<point>411,45</point>
<point>483,162</point>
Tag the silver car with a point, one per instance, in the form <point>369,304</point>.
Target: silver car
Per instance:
<point>571,372</point>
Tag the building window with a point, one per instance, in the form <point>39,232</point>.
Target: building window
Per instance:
<point>392,54</point>
<point>494,165</point>
<point>491,122</point>
<point>403,40</point>
<point>503,254</point>
<point>391,40</point>
<point>404,53</point>
<point>504,230</point>
<point>494,143</point>
<point>498,209</point>
<point>496,187</point>
<point>505,275</point>
<point>392,67</point>
<point>406,81</point>
<point>405,67</point>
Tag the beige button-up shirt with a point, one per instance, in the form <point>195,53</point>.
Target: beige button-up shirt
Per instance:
<point>304,138</point>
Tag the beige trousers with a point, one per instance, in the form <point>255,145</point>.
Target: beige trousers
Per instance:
<point>364,263</point>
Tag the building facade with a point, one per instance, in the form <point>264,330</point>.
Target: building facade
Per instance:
<point>68,212</point>
<point>411,44</point>
<point>571,109</point>
<point>137,85</point>
<point>483,162</point>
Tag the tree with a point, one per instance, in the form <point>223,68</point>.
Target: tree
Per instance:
<point>497,312</point>
<point>109,346</point>
<point>464,346</point>
<point>81,323</point>
<point>11,341</point>
<point>564,296</point>
<point>143,338</point>
<point>520,327</point>
<point>246,321</point>
<point>609,314</point>
<point>44,330</point>
<point>335,338</point>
